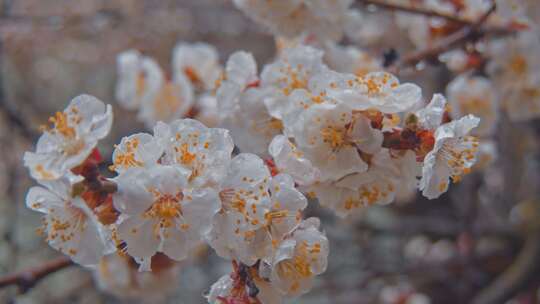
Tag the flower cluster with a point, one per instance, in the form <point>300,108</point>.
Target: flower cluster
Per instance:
<point>144,86</point>
<point>351,141</point>
<point>174,189</point>
<point>237,151</point>
<point>324,19</point>
<point>511,62</point>
<point>75,201</point>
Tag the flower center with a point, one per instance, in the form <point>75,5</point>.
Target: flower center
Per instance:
<point>335,137</point>
<point>140,84</point>
<point>459,156</point>
<point>299,266</point>
<point>43,172</point>
<point>268,126</point>
<point>127,159</point>
<point>186,157</point>
<point>64,125</point>
<point>192,75</point>
<point>63,229</point>
<point>166,207</point>
<point>518,65</point>
<point>61,124</point>
<point>293,80</point>
<point>167,101</point>
<point>475,106</point>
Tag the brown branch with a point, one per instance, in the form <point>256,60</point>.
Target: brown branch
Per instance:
<point>66,19</point>
<point>416,10</point>
<point>463,36</point>
<point>28,278</point>
<point>12,115</point>
<point>15,118</point>
<point>521,272</point>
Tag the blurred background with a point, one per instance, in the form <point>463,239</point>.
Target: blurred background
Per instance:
<point>484,230</point>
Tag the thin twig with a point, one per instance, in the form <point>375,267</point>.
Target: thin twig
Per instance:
<point>521,272</point>
<point>12,115</point>
<point>466,34</point>
<point>416,10</point>
<point>16,120</point>
<point>55,20</point>
<point>28,278</point>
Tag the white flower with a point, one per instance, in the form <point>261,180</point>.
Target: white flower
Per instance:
<point>281,215</point>
<point>204,152</point>
<point>511,11</point>
<point>74,134</point>
<point>350,59</point>
<point>456,60</point>
<point>323,19</point>
<point>515,72</point>
<point>366,28</point>
<point>430,117</point>
<point>251,126</point>
<point>290,107</point>
<point>207,110</point>
<point>173,100</point>
<point>291,71</point>
<point>227,289</point>
<point>161,213</point>
<point>378,185</point>
<point>474,9</point>
<point>378,90</point>
<point>288,159</point>
<point>242,108</point>
<point>241,69</point>
<point>285,213</point>
<point>409,169</point>
<point>299,258</point>
<point>118,275</point>
<point>257,210</point>
<point>199,62</point>
<point>474,95</point>
<point>138,81</point>
<point>220,290</point>
<point>245,201</point>
<point>69,224</point>
<point>424,31</point>
<point>453,155</point>
<point>240,72</point>
<point>138,150</point>
<point>487,154</point>
<point>330,137</point>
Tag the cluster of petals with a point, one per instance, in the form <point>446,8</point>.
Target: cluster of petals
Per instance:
<point>70,222</point>
<point>289,272</point>
<point>167,193</point>
<point>69,225</point>
<point>474,95</point>
<point>165,96</point>
<point>454,151</point>
<point>426,31</point>
<point>179,187</point>
<point>515,73</point>
<point>118,275</point>
<point>327,129</point>
<point>324,19</point>
<point>321,120</point>
<point>72,137</point>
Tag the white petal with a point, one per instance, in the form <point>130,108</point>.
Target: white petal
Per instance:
<point>139,235</point>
